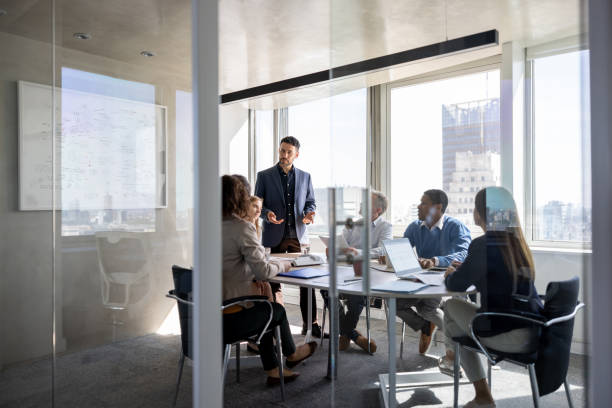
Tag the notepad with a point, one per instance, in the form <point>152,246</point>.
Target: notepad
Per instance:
<point>430,278</point>
<point>400,285</point>
<point>306,273</point>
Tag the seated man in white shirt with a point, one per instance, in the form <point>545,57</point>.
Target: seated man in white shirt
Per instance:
<point>379,231</point>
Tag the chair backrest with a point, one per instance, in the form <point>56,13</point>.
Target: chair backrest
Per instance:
<point>183,284</point>
<point>121,252</point>
<point>556,340</point>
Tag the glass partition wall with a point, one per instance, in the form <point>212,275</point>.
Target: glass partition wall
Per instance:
<point>99,199</point>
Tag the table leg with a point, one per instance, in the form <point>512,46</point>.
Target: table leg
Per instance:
<point>392,365</point>
<point>308,337</point>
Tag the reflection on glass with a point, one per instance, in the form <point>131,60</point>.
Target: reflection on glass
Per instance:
<point>112,154</point>
<point>444,134</point>
<point>239,151</point>
<point>264,140</point>
<point>332,161</point>
<point>184,160</point>
<point>561,213</point>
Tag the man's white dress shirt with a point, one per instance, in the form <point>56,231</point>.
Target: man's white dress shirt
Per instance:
<point>379,231</point>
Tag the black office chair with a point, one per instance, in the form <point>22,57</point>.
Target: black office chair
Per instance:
<point>183,284</point>
<point>548,358</point>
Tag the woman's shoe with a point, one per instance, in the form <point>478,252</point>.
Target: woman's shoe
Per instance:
<point>272,381</point>
<point>474,404</point>
<point>313,347</point>
<point>447,366</point>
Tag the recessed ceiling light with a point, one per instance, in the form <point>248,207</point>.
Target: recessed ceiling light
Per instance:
<point>147,53</point>
<point>81,36</point>
<point>3,12</point>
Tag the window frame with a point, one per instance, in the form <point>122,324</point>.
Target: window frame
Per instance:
<point>475,67</point>
<point>559,47</point>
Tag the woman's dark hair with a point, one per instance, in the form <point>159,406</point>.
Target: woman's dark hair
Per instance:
<point>497,209</point>
<point>244,181</point>
<point>235,197</point>
<point>438,197</point>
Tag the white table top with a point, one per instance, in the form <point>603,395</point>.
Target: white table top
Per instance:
<point>356,288</point>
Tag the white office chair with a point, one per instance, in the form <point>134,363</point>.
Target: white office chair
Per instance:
<point>123,263</point>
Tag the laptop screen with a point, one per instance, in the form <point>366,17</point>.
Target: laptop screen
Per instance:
<point>402,256</point>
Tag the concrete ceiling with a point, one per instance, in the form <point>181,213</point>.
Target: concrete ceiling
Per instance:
<point>262,41</point>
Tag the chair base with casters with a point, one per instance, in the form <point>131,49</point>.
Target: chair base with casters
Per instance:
<point>527,360</point>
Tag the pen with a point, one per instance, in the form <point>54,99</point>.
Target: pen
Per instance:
<point>352,280</point>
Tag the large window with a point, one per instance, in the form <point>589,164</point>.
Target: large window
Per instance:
<point>560,191</point>
<point>332,134</point>
<point>444,134</point>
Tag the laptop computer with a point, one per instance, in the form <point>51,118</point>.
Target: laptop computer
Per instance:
<point>402,257</point>
<point>340,241</point>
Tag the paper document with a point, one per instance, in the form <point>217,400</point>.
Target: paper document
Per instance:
<point>400,286</point>
<point>430,278</point>
<point>382,268</point>
<point>345,276</point>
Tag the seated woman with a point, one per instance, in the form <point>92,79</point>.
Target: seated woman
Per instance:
<point>254,211</point>
<point>500,265</point>
<point>243,261</point>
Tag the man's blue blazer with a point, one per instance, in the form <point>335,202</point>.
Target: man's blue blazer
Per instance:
<point>268,187</point>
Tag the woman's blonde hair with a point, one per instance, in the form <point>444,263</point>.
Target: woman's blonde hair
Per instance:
<point>252,200</point>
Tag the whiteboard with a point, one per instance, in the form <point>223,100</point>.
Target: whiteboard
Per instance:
<point>110,153</point>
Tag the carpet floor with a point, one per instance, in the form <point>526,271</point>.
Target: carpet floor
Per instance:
<point>141,372</point>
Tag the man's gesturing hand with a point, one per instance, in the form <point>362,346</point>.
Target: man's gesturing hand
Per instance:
<point>309,218</point>
<point>272,218</point>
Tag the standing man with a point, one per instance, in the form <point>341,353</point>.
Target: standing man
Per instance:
<point>288,206</point>
<point>439,240</point>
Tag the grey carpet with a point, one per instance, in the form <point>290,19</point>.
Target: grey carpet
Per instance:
<point>141,372</point>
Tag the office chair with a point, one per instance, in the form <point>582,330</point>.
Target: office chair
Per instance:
<point>183,284</point>
<point>122,262</point>
<point>548,358</point>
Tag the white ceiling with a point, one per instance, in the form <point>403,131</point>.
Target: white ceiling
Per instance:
<point>263,41</point>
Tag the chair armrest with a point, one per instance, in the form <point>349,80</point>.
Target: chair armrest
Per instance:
<point>172,295</point>
<point>566,317</point>
<point>241,299</point>
<point>516,316</point>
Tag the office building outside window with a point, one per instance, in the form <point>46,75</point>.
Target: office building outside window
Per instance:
<point>445,134</point>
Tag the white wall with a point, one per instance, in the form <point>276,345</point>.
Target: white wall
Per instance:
<point>557,265</point>
<point>231,119</point>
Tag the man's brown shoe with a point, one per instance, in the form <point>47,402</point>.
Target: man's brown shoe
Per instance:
<point>362,342</point>
<point>343,343</point>
<point>425,340</point>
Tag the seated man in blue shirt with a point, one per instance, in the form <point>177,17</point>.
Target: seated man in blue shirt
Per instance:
<point>439,240</point>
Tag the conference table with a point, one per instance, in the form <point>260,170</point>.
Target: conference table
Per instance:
<point>388,382</point>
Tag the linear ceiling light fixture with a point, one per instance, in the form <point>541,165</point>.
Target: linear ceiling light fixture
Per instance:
<point>445,48</point>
